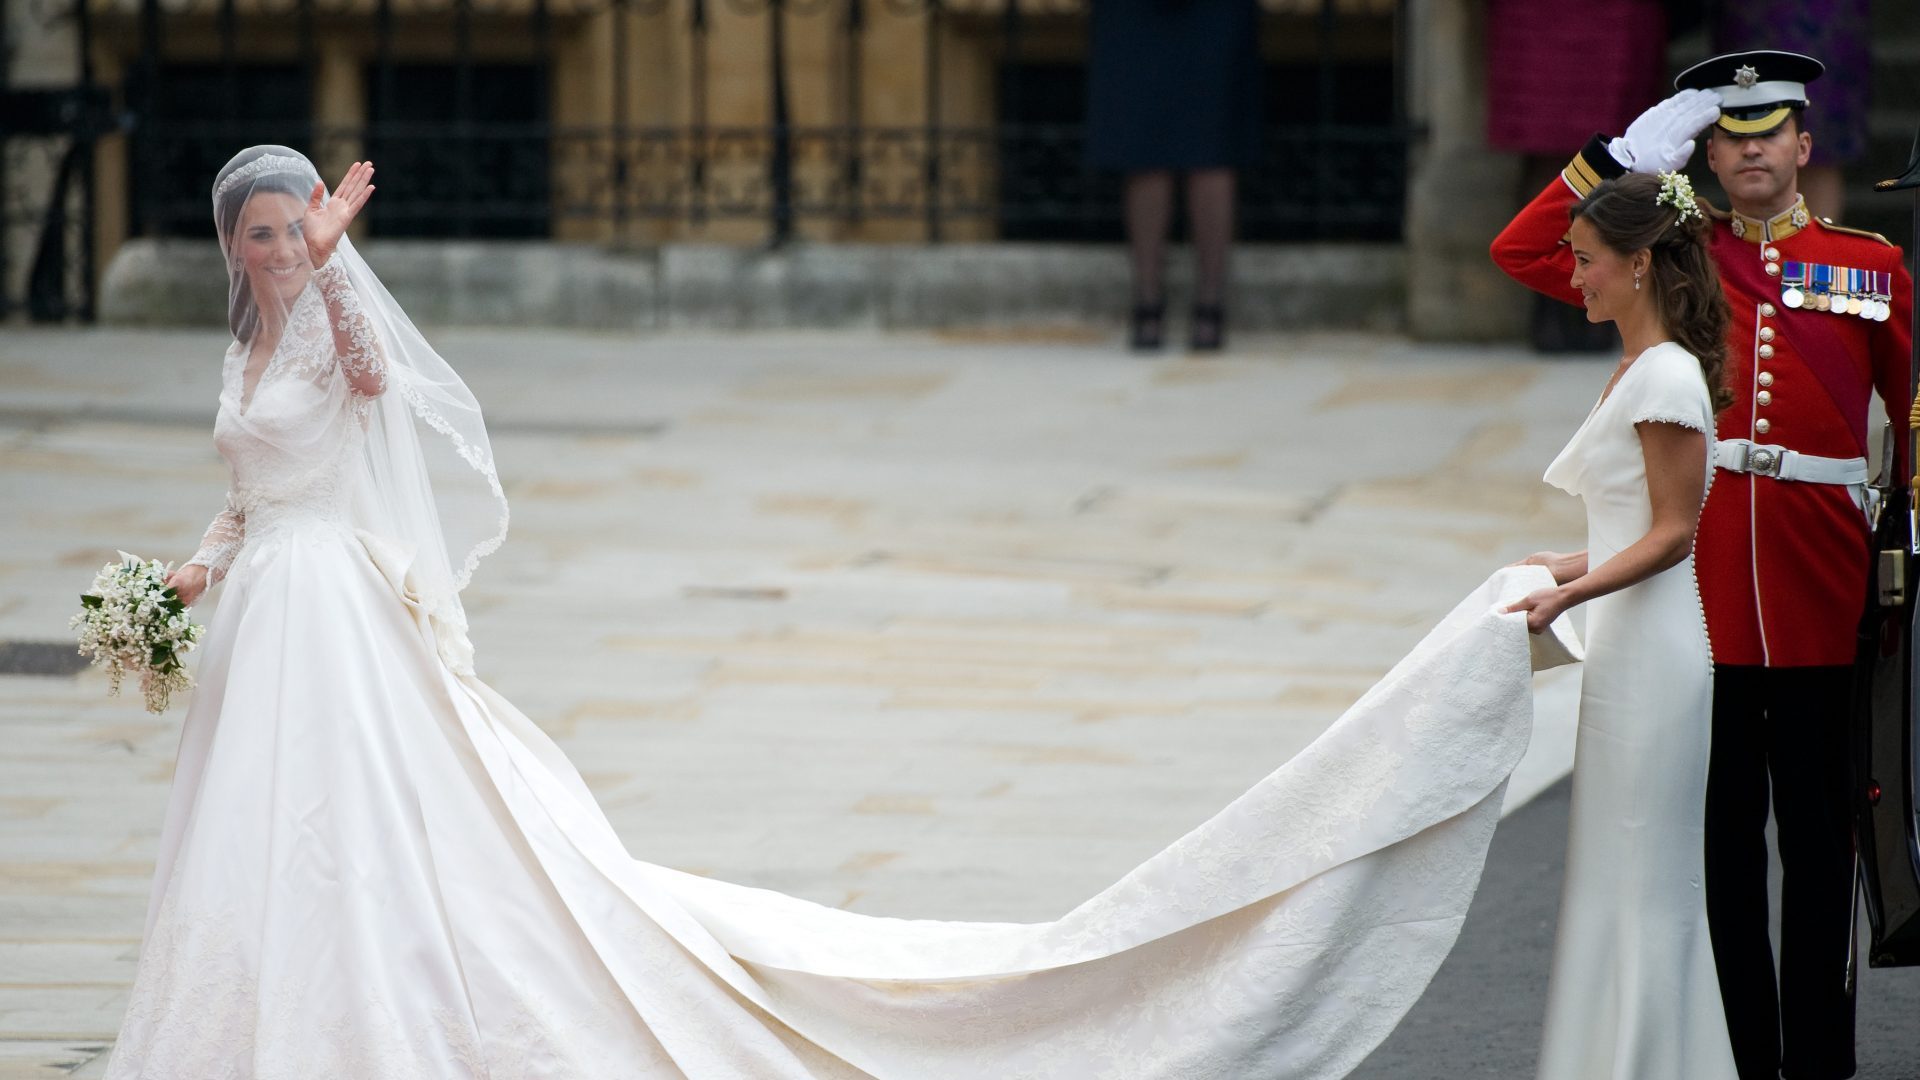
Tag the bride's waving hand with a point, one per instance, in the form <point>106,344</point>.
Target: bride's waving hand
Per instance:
<point>324,224</point>
<point>327,219</point>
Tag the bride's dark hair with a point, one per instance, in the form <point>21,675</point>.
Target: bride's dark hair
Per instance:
<point>242,316</point>
<point>1627,214</point>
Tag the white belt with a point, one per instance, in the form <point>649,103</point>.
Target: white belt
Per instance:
<point>1747,456</point>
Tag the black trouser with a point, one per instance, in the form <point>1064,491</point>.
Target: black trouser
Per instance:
<point>1788,725</point>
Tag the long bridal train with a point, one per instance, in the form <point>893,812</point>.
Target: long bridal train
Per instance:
<point>376,867</point>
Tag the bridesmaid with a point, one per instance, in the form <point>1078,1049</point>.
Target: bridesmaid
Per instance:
<point>1633,991</point>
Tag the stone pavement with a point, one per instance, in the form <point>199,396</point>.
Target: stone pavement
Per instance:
<point>957,627</point>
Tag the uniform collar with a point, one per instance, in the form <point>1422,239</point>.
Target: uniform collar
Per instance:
<point>1779,227</point>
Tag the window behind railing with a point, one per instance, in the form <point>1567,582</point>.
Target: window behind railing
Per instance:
<point>459,153</point>
<point>736,121</point>
<point>1346,182</point>
<point>196,118</point>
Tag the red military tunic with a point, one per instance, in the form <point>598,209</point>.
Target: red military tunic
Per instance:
<point>1782,564</point>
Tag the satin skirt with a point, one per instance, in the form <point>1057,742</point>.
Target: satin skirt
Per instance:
<point>1634,994</point>
<point>373,867</point>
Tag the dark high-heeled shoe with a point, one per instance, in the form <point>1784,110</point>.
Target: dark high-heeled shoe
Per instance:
<point>1148,326</point>
<point>1207,328</point>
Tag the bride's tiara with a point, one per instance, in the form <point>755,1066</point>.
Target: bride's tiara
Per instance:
<point>260,166</point>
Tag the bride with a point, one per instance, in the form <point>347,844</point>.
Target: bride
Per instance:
<point>373,866</point>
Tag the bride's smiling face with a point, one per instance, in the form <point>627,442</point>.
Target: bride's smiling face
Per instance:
<point>272,250</point>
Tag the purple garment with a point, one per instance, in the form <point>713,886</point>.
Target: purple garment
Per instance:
<point>1838,33</point>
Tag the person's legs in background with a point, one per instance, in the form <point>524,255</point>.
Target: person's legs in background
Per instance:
<point>1149,213</point>
<point>1210,198</point>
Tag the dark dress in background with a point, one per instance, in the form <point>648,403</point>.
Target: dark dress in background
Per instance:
<point>1174,84</point>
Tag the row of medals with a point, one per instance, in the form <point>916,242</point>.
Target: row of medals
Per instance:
<point>1794,292</point>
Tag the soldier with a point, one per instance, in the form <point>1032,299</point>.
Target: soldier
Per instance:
<point>1820,321</point>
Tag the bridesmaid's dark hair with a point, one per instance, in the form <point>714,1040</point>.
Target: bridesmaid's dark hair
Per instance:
<point>1628,215</point>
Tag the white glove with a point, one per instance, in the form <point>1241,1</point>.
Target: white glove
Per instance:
<point>1661,139</point>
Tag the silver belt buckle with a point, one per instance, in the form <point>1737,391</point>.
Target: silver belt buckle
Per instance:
<point>1763,462</point>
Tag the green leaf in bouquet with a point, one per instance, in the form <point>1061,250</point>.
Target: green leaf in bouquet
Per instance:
<point>160,655</point>
<point>88,600</point>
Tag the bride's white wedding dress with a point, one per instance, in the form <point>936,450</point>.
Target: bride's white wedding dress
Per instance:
<point>373,866</point>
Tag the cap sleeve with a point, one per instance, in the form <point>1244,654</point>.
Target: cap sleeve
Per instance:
<point>1673,391</point>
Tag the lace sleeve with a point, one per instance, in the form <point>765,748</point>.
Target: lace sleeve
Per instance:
<point>353,337</point>
<point>221,543</point>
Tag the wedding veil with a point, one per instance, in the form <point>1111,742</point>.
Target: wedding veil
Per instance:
<point>429,488</point>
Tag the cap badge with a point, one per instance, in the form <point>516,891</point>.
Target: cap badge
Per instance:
<point>1745,77</point>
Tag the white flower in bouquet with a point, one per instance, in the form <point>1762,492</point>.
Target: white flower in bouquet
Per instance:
<point>132,622</point>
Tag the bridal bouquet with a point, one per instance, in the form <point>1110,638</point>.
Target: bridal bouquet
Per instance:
<point>132,622</point>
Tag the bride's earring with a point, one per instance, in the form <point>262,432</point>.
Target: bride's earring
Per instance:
<point>1636,280</point>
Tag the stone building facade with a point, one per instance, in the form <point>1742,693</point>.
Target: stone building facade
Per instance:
<point>811,155</point>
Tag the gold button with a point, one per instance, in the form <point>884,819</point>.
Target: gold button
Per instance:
<point>1763,426</point>
<point>1773,254</point>
<point>1766,310</point>
<point>1766,333</point>
<point>1773,269</point>
<point>1766,378</point>
<point>1764,397</point>
<point>1766,352</point>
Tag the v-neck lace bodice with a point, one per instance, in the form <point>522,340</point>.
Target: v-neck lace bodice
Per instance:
<point>293,441</point>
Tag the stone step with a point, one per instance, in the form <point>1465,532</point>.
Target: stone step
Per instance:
<point>894,287</point>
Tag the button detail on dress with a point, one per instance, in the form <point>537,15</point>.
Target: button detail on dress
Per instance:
<point>1763,426</point>
<point>1766,378</point>
<point>1766,352</point>
<point>1764,397</point>
<point>1766,333</point>
<point>1766,311</point>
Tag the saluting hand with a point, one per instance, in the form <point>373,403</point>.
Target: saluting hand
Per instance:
<point>1661,139</point>
<point>327,219</point>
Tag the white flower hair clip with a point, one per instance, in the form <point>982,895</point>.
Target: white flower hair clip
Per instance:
<point>1677,191</point>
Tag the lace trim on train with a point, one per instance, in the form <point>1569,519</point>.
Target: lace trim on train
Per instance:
<point>482,463</point>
